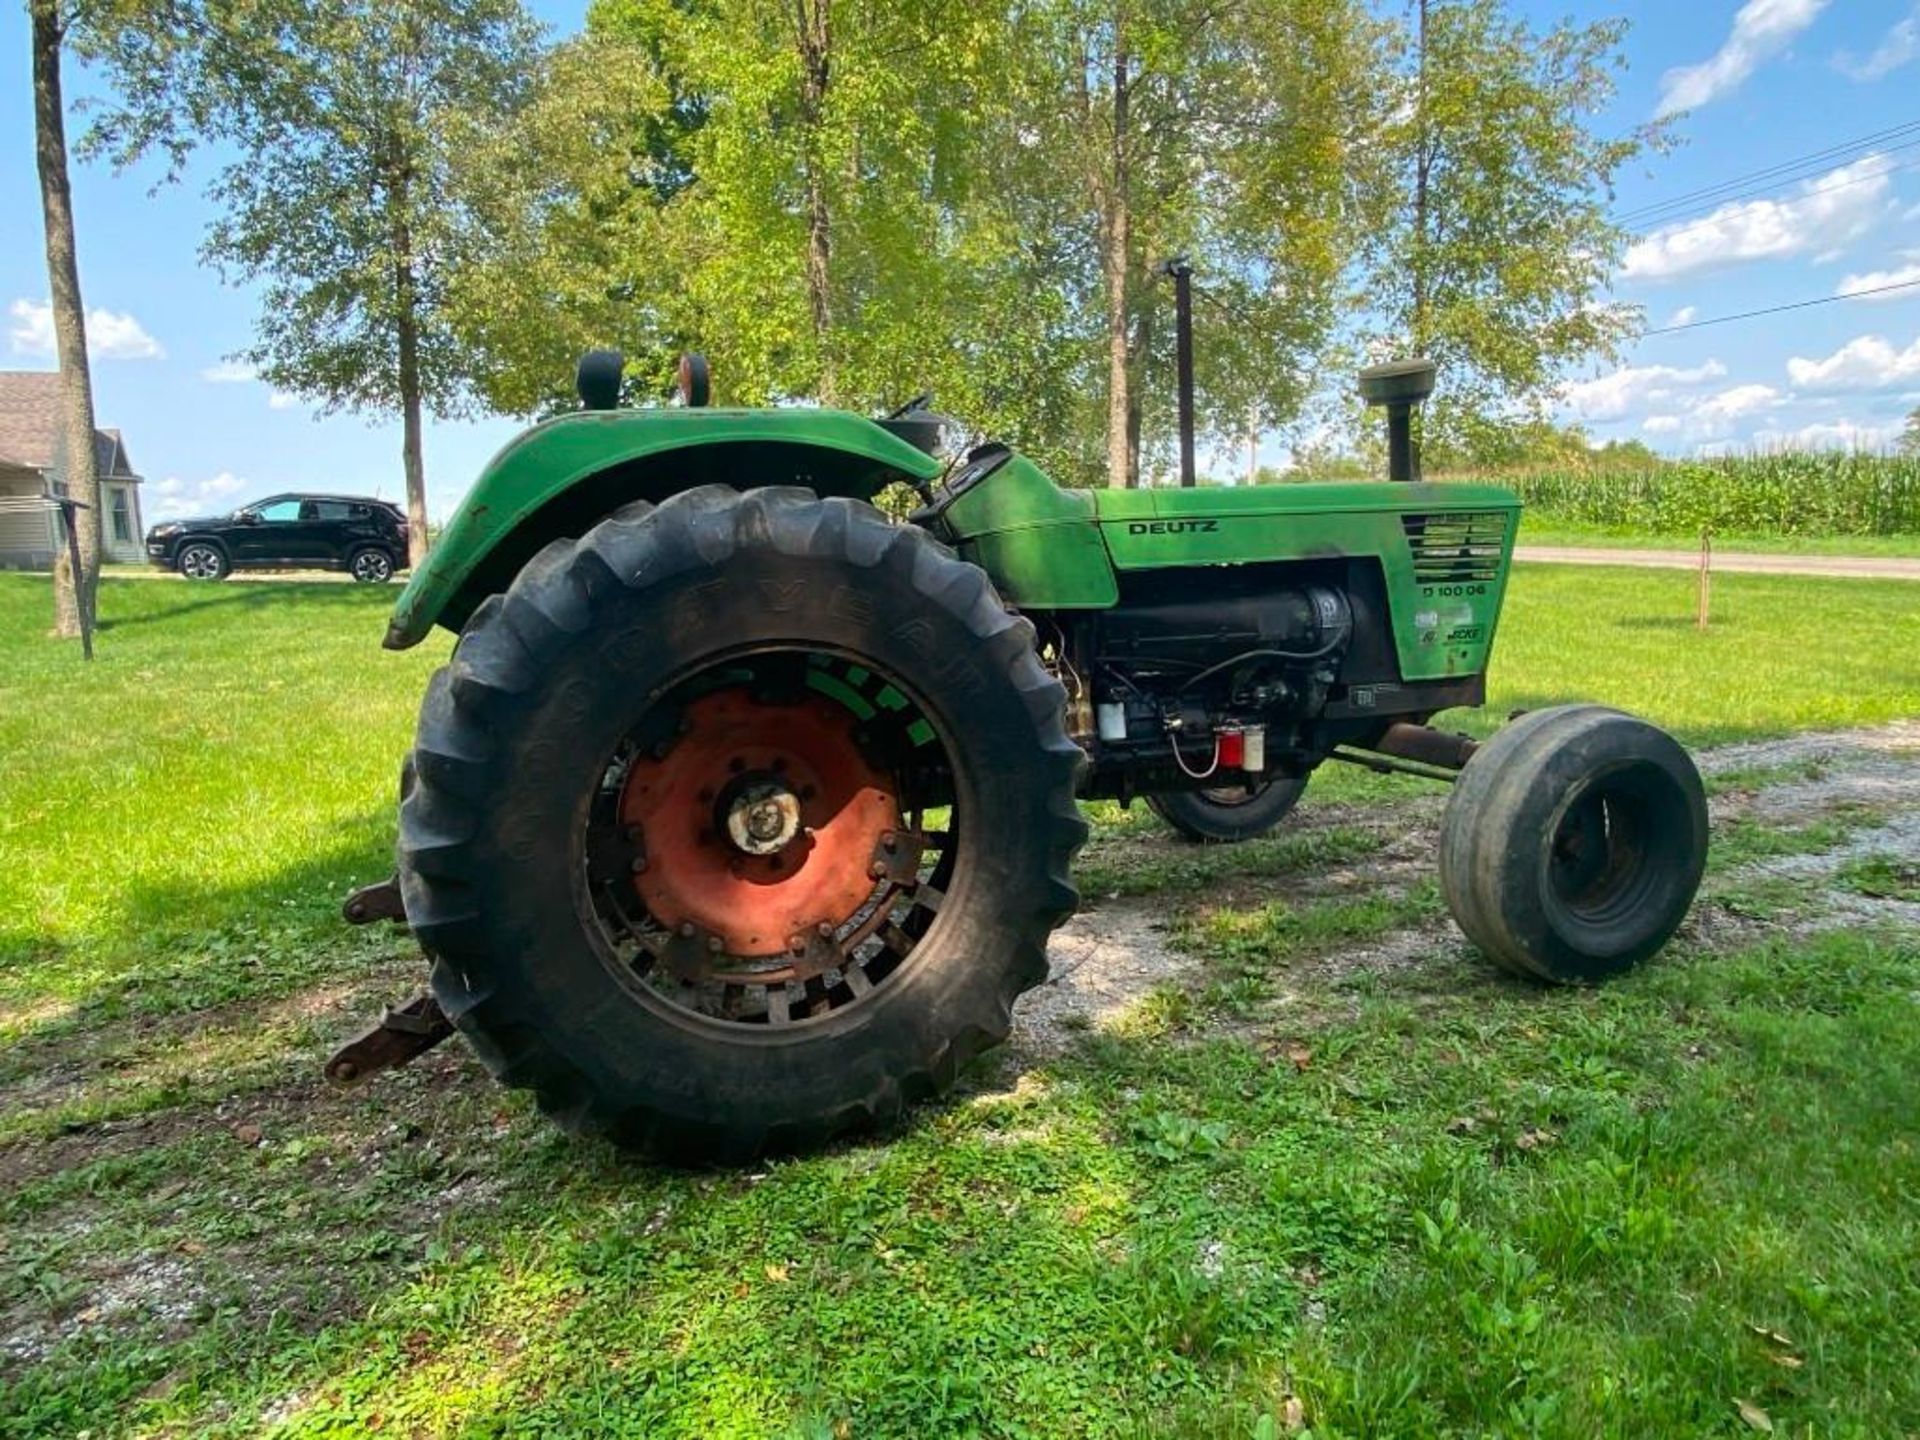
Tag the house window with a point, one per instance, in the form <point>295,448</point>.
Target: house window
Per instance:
<point>121,515</point>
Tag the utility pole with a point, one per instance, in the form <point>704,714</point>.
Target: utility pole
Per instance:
<point>1182,274</point>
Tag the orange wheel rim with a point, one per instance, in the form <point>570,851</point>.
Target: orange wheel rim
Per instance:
<point>759,825</point>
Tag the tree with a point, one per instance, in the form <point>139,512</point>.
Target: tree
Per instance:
<point>1910,438</point>
<point>74,595</point>
<point>1235,135</point>
<point>800,193</point>
<point>1494,240</point>
<point>341,197</point>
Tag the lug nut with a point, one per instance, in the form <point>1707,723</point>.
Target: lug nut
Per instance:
<point>713,944</point>
<point>797,944</point>
<point>686,929</point>
<point>639,864</point>
<point>877,870</point>
<point>824,929</point>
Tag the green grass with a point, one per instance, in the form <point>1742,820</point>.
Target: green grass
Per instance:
<point>1411,1200</point>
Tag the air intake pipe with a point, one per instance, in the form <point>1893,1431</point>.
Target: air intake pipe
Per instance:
<point>1399,385</point>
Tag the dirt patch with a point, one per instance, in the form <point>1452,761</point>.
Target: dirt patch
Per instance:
<point>1111,954</point>
<point>1101,961</point>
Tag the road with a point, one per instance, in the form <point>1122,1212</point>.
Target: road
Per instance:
<point>1850,567</point>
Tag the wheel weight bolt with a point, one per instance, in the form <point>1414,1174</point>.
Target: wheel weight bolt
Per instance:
<point>797,943</point>
<point>824,929</point>
<point>713,944</point>
<point>686,930</point>
<point>877,870</point>
<point>639,864</point>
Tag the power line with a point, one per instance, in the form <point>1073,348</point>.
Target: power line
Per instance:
<point>1685,216</point>
<point>1777,309</point>
<point>1639,213</point>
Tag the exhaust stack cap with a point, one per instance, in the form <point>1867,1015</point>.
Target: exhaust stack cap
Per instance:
<point>1398,382</point>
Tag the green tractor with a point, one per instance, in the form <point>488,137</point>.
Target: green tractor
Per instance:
<point>742,812</point>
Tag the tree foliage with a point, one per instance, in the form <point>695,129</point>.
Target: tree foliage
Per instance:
<point>341,199</point>
<point>1493,241</point>
<point>853,201</point>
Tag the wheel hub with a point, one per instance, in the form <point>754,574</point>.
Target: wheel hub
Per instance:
<point>758,814</point>
<point>759,825</point>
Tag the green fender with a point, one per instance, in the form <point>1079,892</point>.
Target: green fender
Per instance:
<point>560,477</point>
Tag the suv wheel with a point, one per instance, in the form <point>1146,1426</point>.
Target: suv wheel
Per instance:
<point>200,561</point>
<point>371,567</point>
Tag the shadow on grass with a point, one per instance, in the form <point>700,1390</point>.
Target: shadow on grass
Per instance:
<point>250,595</point>
<point>182,947</point>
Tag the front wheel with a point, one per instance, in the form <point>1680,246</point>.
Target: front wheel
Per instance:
<point>739,823</point>
<point>202,562</point>
<point>370,566</point>
<point>1573,843</point>
<point>1228,814</point>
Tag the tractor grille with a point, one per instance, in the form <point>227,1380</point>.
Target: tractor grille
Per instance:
<point>1457,545</point>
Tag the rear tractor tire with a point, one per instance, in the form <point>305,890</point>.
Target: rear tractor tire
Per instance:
<point>1231,814</point>
<point>1573,843</point>
<point>738,823</point>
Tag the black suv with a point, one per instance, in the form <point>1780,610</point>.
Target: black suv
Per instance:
<point>366,538</point>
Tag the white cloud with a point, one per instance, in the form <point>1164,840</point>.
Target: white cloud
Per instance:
<point>1611,397</point>
<point>1908,274</point>
<point>1716,416</point>
<point>229,372</point>
<point>1833,435</point>
<point>280,400</point>
<point>111,335</point>
<point>1826,213</point>
<point>1760,30</point>
<point>1684,315</point>
<point>1864,363</point>
<point>1718,412</point>
<point>173,497</point>
<point>1901,44</point>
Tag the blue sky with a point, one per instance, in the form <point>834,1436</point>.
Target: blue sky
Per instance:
<point>1762,83</point>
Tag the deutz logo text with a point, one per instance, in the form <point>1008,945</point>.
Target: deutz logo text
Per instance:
<point>1172,527</point>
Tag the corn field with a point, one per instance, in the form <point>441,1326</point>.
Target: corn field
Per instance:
<point>1788,493</point>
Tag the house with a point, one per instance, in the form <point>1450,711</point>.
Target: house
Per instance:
<point>30,464</point>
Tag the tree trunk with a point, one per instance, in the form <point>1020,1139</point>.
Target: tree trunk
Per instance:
<point>406,303</point>
<point>73,595</point>
<point>1422,169</point>
<point>813,34</point>
<point>412,457</point>
<point>1116,243</point>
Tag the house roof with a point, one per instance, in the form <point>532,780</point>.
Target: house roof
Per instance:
<point>30,426</point>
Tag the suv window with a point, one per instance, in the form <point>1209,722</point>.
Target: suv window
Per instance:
<point>337,510</point>
<point>278,511</point>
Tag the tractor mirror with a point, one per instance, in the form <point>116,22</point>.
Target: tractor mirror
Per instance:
<point>696,385</point>
<point>598,378</point>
